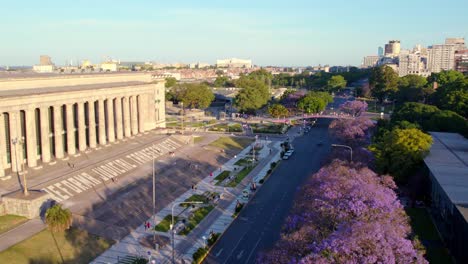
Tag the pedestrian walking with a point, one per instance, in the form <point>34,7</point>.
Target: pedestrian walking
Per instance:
<point>145,225</point>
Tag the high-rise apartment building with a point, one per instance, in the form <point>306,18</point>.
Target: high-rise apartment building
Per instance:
<point>461,60</point>
<point>411,63</point>
<point>442,57</point>
<point>392,48</point>
<point>370,61</point>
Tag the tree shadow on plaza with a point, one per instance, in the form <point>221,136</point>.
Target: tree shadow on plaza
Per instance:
<point>119,212</point>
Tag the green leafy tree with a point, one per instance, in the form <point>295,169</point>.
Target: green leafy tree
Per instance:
<point>278,110</point>
<point>253,96</point>
<point>336,82</point>
<point>222,81</point>
<point>446,77</point>
<point>412,88</point>
<point>311,104</point>
<point>400,152</point>
<point>170,82</point>
<point>452,93</point>
<point>447,121</point>
<point>414,113</point>
<point>326,97</point>
<point>384,82</point>
<point>195,95</point>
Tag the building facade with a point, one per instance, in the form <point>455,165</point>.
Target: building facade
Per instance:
<point>370,61</point>
<point>392,48</point>
<point>234,63</point>
<point>461,60</point>
<point>43,119</point>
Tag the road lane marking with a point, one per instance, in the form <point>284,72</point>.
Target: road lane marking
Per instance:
<point>219,252</point>
<point>255,247</point>
<point>239,256</point>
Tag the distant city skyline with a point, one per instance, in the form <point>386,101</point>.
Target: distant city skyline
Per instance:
<point>278,33</point>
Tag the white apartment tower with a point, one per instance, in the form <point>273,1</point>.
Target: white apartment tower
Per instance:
<point>442,57</point>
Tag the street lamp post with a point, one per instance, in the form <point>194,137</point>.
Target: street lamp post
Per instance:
<point>154,202</point>
<point>183,113</point>
<point>345,146</point>
<point>172,225</point>
<point>20,142</point>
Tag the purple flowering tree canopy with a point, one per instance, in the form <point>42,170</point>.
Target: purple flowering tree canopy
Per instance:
<point>354,108</point>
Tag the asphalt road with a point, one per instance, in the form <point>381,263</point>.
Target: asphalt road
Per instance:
<point>259,224</point>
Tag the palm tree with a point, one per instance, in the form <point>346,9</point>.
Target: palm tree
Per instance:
<point>58,219</point>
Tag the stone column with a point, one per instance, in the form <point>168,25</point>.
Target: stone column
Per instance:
<point>102,122</point>
<point>110,120</point>
<point>71,145</point>
<point>118,117</point>
<point>45,133</point>
<point>2,145</point>
<point>133,112</point>
<point>91,124</point>
<point>141,112</point>
<point>58,119</point>
<point>31,142</point>
<point>81,127</point>
<point>151,113</point>
<point>15,149</point>
<point>126,116</point>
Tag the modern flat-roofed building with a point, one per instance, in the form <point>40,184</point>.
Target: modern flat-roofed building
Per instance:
<point>448,172</point>
<point>370,61</point>
<point>234,63</point>
<point>47,118</point>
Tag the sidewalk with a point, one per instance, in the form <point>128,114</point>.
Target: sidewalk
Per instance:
<point>20,233</point>
<point>217,220</point>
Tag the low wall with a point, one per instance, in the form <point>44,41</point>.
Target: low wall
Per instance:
<point>30,206</point>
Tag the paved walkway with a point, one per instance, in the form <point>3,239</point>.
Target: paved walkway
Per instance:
<point>217,221</point>
<point>20,233</point>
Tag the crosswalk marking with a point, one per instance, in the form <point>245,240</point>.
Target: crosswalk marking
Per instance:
<point>81,182</point>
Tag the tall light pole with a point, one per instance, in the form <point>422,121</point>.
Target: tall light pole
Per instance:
<point>345,146</point>
<point>20,142</point>
<point>183,113</point>
<point>154,202</point>
<point>172,225</point>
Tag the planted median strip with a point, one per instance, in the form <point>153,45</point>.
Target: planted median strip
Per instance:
<point>240,176</point>
<point>195,219</point>
<point>222,176</point>
<point>165,224</point>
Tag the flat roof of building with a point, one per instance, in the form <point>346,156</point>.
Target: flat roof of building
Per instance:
<point>48,90</point>
<point>31,74</point>
<point>448,163</point>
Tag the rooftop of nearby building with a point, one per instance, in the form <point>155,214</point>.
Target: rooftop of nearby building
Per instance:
<point>30,74</point>
<point>448,163</point>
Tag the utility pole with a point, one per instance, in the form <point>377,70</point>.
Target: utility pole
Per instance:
<point>154,202</point>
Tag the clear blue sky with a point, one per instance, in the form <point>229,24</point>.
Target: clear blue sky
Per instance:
<point>288,32</point>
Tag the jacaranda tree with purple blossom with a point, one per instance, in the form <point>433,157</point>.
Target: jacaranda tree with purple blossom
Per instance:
<point>354,108</point>
<point>352,132</point>
<point>346,214</point>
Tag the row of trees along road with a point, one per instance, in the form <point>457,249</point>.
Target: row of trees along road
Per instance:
<point>451,93</point>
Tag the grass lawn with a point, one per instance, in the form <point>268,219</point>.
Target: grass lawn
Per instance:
<point>76,246</point>
<point>243,162</point>
<point>8,222</point>
<point>269,128</point>
<point>223,175</point>
<point>240,176</point>
<point>226,127</point>
<point>165,224</point>
<point>422,225</point>
<point>231,143</point>
<point>198,139</point>
<point>196,218</point>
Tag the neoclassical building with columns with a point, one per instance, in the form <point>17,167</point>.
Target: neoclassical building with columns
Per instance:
<point>52,117</point>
